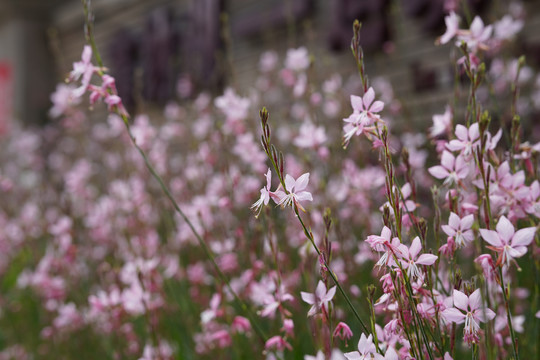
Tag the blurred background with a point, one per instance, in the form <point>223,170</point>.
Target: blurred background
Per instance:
<point>163,49</point>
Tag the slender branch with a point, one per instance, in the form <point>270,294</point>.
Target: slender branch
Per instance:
<point>208,252</point>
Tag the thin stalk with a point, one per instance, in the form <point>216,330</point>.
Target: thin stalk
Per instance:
<point>508,316</point>
<point>208,252</point>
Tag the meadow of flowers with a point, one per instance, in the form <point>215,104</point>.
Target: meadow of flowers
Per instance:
<point>296,219</point>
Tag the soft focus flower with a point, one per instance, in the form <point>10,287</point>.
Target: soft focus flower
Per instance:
<point>366,350</point>
<point>452,169</point>
<point>296,193</point>
<point>468,310</point>
<point>320,299</point>
<point>477,36</point>
<point>265,195</point>
<point>507,242</point>
<point>452,27</point>
<point>365,113</point>
<point>441,123</point>
<point>411,260</point>
<point>297,59</point>
<point>459,229</point>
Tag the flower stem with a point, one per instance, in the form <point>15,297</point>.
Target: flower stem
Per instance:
<point>208,252</point>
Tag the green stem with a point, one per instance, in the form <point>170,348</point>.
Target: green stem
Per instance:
<point>165,189</point>
<point>508,315</point>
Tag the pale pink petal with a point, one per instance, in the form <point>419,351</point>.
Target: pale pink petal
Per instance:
<point>406,190</point>
<point>353,355</point>
<point>475,300</point>
<point>461,132</point>
<point>474,132</point>
<point>304,196</point>
<point>269,309</point>
<point>461,301</point>
<point>454,220</point>
<point>468,235</point>
<point>415,248</point>
<point>453,315</point>
<point>330,294</point>
<point>484,315</point>
<point>377,106</point>
<point>289,182</point>
<point>454,145</point>
<point>86,54</point>
<point>467,222</point>
<point>438,172</point>
<point>386,233</point>
<point>308,297</point>
<point>369,96</point>
<point>517,252</point>
<point>492,237</point>
<point>505,229</point>
<point>477,26</point>
<point>523,237</point>
<point>448,230</point>
<point>426,259</point>
<point>320,291</point>
<point>448,160</point>
<point>356,103</point>
<point>268,179</point>
<point>301,182</point>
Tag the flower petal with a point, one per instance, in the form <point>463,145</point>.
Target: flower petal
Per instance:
<point>289,182</point>
<point>453,315</point>
<point>308,297</point>
<point>426,259</point>
<point>475,300</point>
<point>492,237</point>
<point>484,315</point>
<point>523,237</point>
<point>369,96</point>
<point>438,172</point>
<point>356,103</point>
<point>415,248</point>
<point>467,222</point>
<point>301,182</point>
<point>505,229</point>
<point>461,301</point>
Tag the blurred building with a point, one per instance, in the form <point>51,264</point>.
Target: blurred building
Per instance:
<point>156,49</point>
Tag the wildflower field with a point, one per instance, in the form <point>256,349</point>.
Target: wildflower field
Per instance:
<point>299,218</point>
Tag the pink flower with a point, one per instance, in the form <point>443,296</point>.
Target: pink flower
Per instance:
<point>385,242</point>
<point>466,140</point>
<point>277,343</point>
<point>63,99</point>
<point>452,27</point>
<point>366,350</point>
<point>411,260</point>
<point>507,28</point>
<point>507,242</point>
<point>343,331</point>
<point>235,109</point>
<point>364,114</point>
<point>83,69</point>
<point>296,193</point>
<point>273,302</point>
<point>468,310</point>
<point>477,36</point>
<point>320,299</point>
<point>441,123</point>
<point>460,229</point>
<point>452,169</point>
<point>265,195</point>
<point>310,136</point>
<point>297,59</point>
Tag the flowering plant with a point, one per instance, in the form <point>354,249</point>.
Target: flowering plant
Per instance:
<point>140,237</point>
